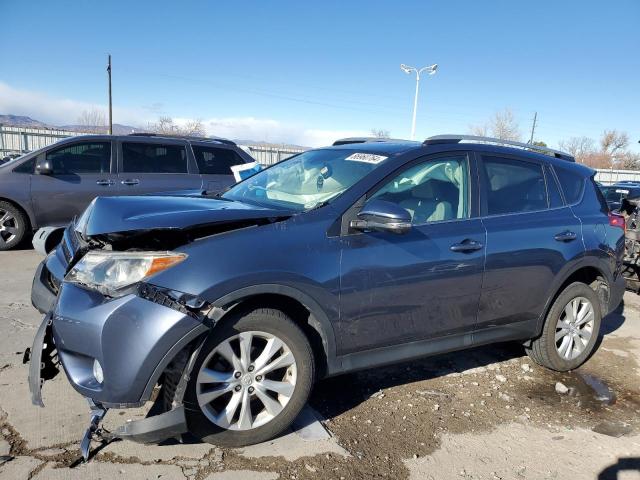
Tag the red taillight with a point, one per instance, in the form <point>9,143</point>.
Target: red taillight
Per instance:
<point>616,220</point>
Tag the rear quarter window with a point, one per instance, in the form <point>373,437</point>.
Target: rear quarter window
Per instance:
<point>604,206</point>
<point>572,184</point>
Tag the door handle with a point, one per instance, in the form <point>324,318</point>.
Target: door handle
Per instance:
<point>565,236</point>
<point>466,246</point>
<point>105,183</point>
<point>130,181</point>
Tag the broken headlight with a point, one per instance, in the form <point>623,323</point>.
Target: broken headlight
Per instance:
<point>112,272</point>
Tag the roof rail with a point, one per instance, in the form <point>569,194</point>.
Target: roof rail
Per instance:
<point>440,139</point>
<point>184,137</point>
<point>350,140</point>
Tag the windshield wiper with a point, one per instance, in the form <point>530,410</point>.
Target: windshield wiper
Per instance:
<point>318,205</point>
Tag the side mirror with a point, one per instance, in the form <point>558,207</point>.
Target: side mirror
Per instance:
<point>382,216</point>
<point>44,166</point>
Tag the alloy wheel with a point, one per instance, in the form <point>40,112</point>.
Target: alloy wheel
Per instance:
<point>574,328</point>
<point>246,381</point>
<point>9,227</point>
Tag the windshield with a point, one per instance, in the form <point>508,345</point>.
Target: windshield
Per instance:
<point>306,180</point>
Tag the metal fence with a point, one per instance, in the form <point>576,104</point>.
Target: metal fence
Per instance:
<point>23,140</point>
<point>609,176</point>
<point>268,155</point>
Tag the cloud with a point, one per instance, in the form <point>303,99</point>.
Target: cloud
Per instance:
<point>61,111</point>
<point>273,131</point>
<point>56,111</point>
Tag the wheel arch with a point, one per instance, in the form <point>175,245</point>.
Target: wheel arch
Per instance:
<point>27,212</point>
<point>299,306</point>
<point>586,271</point>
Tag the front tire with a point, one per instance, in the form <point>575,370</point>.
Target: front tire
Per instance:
<point>570,330</point>
<point>251,379</point>
<point>13,226</point>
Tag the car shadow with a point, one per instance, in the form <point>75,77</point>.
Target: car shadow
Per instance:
<point>329,398</point>
<point>613,321</point>
<point>627,465</point>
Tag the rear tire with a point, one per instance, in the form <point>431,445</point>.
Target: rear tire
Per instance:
<point>570,330</point>
<point>272,398</point>
<point>13,226</point>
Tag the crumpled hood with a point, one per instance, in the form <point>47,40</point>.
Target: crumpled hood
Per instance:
<point>135,213</point>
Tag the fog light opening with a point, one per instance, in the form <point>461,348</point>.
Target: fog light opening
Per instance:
<point>97,371</point>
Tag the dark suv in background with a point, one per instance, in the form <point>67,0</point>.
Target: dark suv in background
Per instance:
<point>51,186</point>
<point>337,259</point>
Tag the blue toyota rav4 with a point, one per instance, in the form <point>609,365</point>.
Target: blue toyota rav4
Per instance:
<point>337,259</point>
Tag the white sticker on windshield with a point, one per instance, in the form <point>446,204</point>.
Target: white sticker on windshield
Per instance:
<point>366,157</point>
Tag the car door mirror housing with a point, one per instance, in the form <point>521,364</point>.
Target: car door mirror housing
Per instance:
<point>44,167</point>
<point>382,216</point>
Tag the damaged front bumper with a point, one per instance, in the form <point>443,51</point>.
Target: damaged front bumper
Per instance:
<point>134,338</point>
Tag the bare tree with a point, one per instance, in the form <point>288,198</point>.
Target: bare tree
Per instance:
<point>93,121</point>
<point>380,133</point>
<point>479,130</point>
<point>166,126</point>
<point>613,141</point>
<point>505,126</point>
<point>579,147</point>
<point>613,151</point>
<point>502,125</point>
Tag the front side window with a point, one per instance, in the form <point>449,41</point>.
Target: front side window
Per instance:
<point>433,191</point>
<point>513,186</point>
<point>26,167</point>
<point>216,161</point>
<point>93,157</point>
<point>306,180</point>
<point>153,158</point>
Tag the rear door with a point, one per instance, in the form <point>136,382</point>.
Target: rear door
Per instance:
<point>81,171</point>
<point>214,165</point>
<point>531,236</point>
<point>148,166</point>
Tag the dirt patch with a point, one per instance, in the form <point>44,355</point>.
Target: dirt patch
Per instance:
<point>387,415</point>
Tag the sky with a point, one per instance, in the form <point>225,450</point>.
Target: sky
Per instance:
<point>310,72</point>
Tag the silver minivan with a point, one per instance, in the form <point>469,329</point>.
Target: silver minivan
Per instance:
<point>51,186</point>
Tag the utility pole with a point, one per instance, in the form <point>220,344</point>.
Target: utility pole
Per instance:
<point>110,110</point>
<point>533,127</point>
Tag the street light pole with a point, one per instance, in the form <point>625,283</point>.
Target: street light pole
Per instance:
<point>110,108</point>
<point>431,69</point>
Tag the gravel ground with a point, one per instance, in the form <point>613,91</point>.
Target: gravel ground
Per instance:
<point>487,413</point>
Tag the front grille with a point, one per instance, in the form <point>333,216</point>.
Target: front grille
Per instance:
<point>70,244</point>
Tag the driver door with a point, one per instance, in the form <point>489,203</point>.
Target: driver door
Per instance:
<point>423,284</point>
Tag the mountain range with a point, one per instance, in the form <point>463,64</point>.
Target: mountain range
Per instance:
<point>118,129</point>
<point>24,121</point>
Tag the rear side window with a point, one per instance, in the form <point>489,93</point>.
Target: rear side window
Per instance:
<point>513,186</point>
<point>571,183</point>
<point>94,157</point>
<point>153,158</point>
<point>216,161</point>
